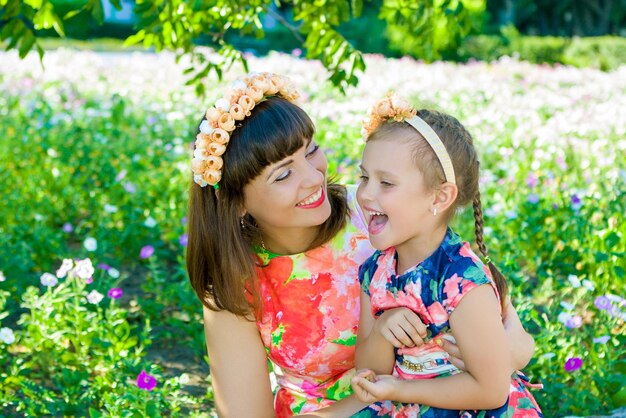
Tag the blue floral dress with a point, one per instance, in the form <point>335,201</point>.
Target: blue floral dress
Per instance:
<point>433,289</point>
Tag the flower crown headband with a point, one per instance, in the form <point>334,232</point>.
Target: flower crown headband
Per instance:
<point>393,107</point>
<point>221,120</point>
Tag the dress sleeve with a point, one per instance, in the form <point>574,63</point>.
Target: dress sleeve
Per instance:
<point>366,271</point>
<point>464,273</point>
<point>356,214</point>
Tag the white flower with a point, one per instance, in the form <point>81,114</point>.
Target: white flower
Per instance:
<point>84,269</point>
<point>6,335</point>
<point>90,244</point>
<point>94,297</point>
<point>110,208</point>
<point>66,266</point>
<point>199,180</point>
<point>150,222</point>
<point>115,273</point>
<point>238,85</point>
<point>205,128</point>
<point>2,278</point>
<point>48,279</point>
<point>223,104</point>
<point>574,280</point>
<point>547,356</point>
<point>564,317</point>
<point>589,284</point>
<point>567,306</point>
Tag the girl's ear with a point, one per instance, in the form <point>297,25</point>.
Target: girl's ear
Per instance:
<point>445,196</point>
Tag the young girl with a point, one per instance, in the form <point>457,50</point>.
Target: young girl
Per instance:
<point>417,169</point>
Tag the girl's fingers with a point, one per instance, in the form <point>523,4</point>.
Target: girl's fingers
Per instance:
<point>417,324</point>
<point>389,336</point>
<point>402,336</point>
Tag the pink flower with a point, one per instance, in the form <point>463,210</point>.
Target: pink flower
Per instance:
<point>145,381</point>
<point>451,287</point>
<point>115,293</point>
<point>437,313</point>
<point>146,251</point>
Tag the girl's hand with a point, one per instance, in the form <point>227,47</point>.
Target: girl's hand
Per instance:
<point>370,388</point>
<point>401,327</point>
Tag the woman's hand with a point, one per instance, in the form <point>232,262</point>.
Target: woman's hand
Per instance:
<point>370,388</point>
<point>401,327</point>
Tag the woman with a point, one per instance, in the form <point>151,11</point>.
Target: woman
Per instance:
<point>273,253</point>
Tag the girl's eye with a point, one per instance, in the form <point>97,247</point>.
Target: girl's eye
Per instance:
<point>363,178</point>
<point>283,176</point>
<point>313,150</point>
<point>386,184</point>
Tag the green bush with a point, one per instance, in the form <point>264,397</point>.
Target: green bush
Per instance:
<point>605,52</point>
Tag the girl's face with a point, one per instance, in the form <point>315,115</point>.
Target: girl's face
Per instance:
<point>290,193</point>
<point>398,206</point>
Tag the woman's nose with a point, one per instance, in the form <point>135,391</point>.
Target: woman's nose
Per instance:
<point>313,177</point>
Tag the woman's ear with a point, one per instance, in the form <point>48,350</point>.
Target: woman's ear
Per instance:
<point>445,196</point>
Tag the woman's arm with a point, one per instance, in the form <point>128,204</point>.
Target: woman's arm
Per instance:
<point>477,327</point>
<point>346,407</point>
<point>238,364</point>
<point>521,343</point>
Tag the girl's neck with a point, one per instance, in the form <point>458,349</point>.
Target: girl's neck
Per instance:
<point>289,241</point>
<point>419,248</point>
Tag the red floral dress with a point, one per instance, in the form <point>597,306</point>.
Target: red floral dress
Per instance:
<point>309,317</point>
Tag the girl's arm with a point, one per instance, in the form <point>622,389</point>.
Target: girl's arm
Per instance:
<point>521,344</point>
<point>477,327</point>
<point>376,338</point>
<point>239,370</point>
<point>373,351</point>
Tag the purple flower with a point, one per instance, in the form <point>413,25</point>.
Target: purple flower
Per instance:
<point>572,364</point>
<point>130,187</point>
<point>146,251</point>
<point>145,381</point>
<point>297,52</point>
<point>183,221</point>
<point>602,340</point>
<point>115,293</point>
<point>120,175</point>
<point>574,322</point>
<point>183,240</point>
<point>532,180</point>
<point>576,202</point>
<point>603,303</point>
<point>67,227</point>
<point>103,266</point>
<point>533,198</point>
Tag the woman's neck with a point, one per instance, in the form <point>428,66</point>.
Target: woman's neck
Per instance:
<point>419,248</point>
<point>288,241</point>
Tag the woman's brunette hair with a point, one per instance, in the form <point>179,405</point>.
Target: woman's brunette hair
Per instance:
<point>220,258</point>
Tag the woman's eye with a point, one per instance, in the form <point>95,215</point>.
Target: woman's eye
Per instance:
<point>313,150</point>
<point>283,176</point>
<point>386,183</point>
<point>363,178</point>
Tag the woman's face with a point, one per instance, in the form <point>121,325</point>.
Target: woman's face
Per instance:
<point>290,193</point>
